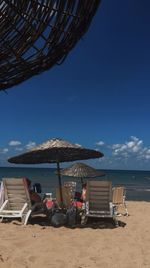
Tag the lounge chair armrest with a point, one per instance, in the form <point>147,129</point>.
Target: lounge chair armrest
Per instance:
<point>4,205</point>
<point>24,207</point>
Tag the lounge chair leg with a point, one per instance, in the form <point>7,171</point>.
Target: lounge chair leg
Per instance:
<point>26,217</point>
<point>83,220</point>
<point>116,222</point>
<point>126,211</point>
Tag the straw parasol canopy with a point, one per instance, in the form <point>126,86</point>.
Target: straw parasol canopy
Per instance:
<point>81,170</point>
<point>55,151</point>
<point>35,35</point>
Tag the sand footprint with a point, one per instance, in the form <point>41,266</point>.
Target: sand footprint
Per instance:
<point>32,259</point>
<point>1,258</point>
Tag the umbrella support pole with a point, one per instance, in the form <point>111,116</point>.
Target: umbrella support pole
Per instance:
<point>82,181</point>
<point>60,184</point>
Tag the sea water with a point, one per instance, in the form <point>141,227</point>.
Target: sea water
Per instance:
<point>137,183</point>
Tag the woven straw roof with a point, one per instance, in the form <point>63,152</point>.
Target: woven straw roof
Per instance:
<point>81,170</point>
<point>54,151</point>
<point>35,35</point>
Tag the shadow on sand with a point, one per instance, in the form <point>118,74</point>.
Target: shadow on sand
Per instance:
<point>93,223</point>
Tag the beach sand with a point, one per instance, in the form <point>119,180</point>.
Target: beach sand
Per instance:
<point>127,246</point>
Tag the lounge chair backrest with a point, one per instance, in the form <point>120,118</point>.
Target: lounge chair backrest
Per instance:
<point>71,186</point>
<point>16,192</point>
<point>118,195</point>
<point>99,195</point>
<point>66,196</point>
<point>119,198</point>
<point>17,202</point>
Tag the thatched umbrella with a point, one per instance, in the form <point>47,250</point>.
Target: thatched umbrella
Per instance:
<point>55,151</point>
<point>81,170</point>
<point>35,35</point>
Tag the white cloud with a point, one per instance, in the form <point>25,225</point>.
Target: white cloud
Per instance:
<point>130,144</point>
<point>78,144</point>
<point>100,143</point>
<point>30,145</point>
<point>134,138</point>
<point>96,149</point>
<point>19,149</point>
<point>133,146</point>
<point>132,154</point>
<point>115,146</point>
<point>4,151</point>
<point>14,143</point>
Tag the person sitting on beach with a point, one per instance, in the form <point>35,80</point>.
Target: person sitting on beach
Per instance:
<point>80,197</point>
<point>35,198</point>
<point>83,194</point>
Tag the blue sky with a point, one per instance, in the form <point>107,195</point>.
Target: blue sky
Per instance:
<point>99,97</point>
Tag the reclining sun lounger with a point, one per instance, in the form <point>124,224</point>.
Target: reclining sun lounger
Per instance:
<point>118,198</point>
<point>17,203</point>
<point>98,202</point>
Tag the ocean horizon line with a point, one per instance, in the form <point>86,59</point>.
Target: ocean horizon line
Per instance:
<point>53,168</point>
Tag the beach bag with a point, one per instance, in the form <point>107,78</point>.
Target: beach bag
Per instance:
<point>58,219</point>
<point>71,216</point>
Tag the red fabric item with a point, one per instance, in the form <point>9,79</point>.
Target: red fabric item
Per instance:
<point>48,203</point>
<point>78,204</point>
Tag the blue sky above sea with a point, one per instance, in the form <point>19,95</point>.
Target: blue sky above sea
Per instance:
<point>99,97</point>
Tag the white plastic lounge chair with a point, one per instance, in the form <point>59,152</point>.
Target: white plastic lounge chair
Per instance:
<point>99,201</point>
<point>1,193</point>
<point>17,202</point>
<point>119,197</point>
